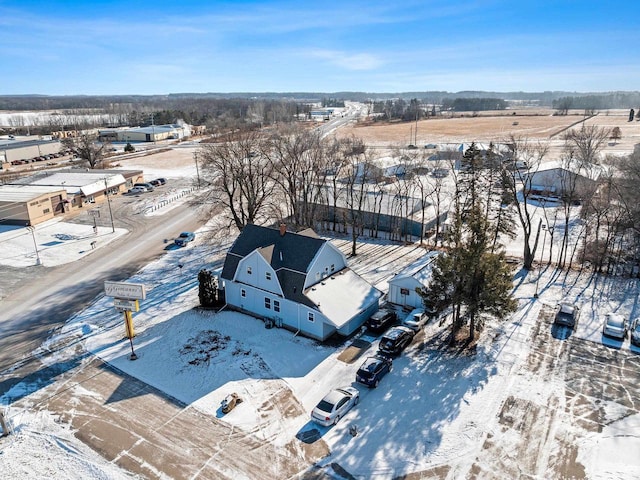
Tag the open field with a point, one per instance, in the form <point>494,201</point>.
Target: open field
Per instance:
<point>539,125</point>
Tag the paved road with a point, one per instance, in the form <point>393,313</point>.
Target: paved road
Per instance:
<point>49,296</point>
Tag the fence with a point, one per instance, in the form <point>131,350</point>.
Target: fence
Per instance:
<point>163,203</point>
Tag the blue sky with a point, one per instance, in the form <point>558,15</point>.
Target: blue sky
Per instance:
<point>142,47</point>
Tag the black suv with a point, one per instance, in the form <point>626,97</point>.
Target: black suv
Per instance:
<point>395,340</point>
<point>381,320</point>
<point>373,369</point>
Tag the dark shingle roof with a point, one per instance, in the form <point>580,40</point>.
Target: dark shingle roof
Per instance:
<point>289,255</point>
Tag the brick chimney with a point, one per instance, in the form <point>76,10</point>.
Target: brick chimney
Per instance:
<point>283,229</point>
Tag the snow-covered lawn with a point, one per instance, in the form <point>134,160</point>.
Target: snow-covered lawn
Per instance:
<point>435,408</point>
<point>57,243</point>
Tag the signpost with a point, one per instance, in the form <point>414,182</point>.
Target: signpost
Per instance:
<point>125,299</point>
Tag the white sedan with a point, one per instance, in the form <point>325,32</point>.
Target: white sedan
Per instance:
<point>335,405</point>
<point>615,326</point>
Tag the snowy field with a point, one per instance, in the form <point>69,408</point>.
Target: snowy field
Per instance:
<point>438,411</point>
<point>434,409</point>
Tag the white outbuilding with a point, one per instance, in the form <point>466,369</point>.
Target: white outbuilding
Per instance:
<point>402,287</point>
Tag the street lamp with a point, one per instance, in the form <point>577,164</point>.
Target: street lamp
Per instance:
<point>35,244</point>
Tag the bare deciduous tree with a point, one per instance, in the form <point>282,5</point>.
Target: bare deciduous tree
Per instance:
<point>240,176</point>
<point>299,171</point>
<point>522,151</point>
<point>586,142</point>
<point>86,147</point>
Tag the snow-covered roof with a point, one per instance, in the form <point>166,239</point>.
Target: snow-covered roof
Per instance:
<point>419,270</point>
<point>86,183</point>
<point>342,296</point>
<point>590,171</point>
<point>24,193</point>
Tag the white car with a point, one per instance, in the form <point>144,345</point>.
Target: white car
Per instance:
<point>416,319</point>
<point>138,190</point>
<point>614,326</point>
<point>335,405</point>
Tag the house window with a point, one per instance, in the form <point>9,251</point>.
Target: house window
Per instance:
<point>243,293</point>
<point>276,305</point>
<point>317,275</point>
<point>333,267</point>
<point>311,317</point>
<point>268,275</point>
<point>267,303</point>
<point>46,210</point>
<point>248,270</point>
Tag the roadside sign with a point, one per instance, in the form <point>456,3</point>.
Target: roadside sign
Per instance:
<point>126,291</point>
<point>123,304</point>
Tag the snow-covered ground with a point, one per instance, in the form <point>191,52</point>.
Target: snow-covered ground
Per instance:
<point>434,409</point>
<point>52,243</point>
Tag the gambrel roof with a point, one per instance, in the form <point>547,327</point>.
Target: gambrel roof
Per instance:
<point>290,256</point>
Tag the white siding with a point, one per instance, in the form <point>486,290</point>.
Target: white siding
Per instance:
<point>328,260</point>
<point>292,315</point>
<point>395,292</point>
<point>259,268</point>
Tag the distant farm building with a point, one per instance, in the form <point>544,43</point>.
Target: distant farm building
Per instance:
<point>557,179</point>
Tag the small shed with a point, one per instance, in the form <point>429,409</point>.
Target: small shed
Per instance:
<point>402,287</point>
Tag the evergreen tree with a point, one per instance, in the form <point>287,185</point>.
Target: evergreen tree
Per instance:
<point>207,289</point>
<point>472,277</point>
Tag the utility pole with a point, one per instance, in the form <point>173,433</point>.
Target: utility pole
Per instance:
<point>195,157</point>
<point>106,192</point>
<point>544,239</point>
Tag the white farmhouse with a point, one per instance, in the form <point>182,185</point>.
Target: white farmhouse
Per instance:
<point>402,287</point>
<point>297,280</point>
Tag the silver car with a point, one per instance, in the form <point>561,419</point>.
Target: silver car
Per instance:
<point>614,326</point>
<point>416,319</point>
<point>335,405</point>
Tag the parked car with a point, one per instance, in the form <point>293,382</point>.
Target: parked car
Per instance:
<point>381,319</point>
<point>614,326</point>
<point>395,340</point>
<point>416,319</point>
<point>373,369</point>
<point>567,314</point>
<point>335,405</point>
<point>146,185</point>
<point>229,402</point>
<point>137,190</point>
<point>158,182</point>
<point>184,238</point>
<point>635,332</point>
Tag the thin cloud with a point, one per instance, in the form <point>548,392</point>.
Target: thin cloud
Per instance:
<point>349,61</point>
